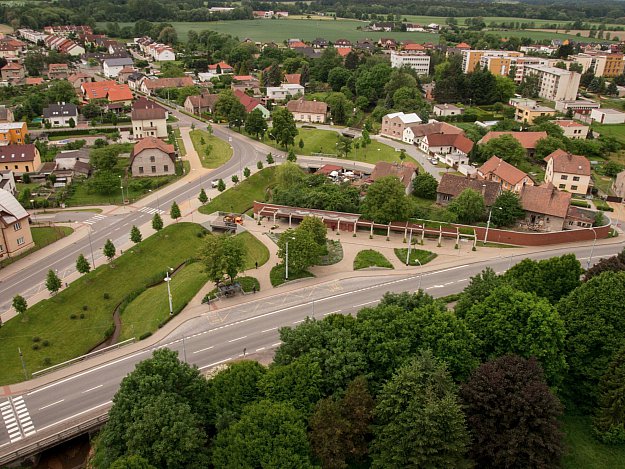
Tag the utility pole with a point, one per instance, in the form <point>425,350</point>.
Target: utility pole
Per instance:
<point>23,363</point>
<point>409,248</point>
<point>168,281</point>
<point>91,248</point>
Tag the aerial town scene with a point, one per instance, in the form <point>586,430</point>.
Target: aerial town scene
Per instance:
<point>312,234</point>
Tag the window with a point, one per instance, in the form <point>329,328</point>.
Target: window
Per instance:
<point>152,159</point>
<point>20,240</point>
<point>27,168</point>
<point>575,178</point>
<point>166,168</point>
<point>140,169</point>
<point>1,248</point>
<point>17,226</point>
<point>562,186</point>
<point>564,177</point>
<point>573,188</point>
<point>153,169</point>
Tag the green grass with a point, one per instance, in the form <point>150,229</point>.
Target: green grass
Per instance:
<point>50,319</point>
<point>241,197</point>
<point>584,451</point>
<point>42,236</point>
<point>616,131</point>
<point>256,251</point>
<point>371,258</point>
<point>219,154</point>
<point>421,255</point>
<point>603,183</point>
<point>150,308</point>
<point>539,23</point>
<point>277,275</point>
<point>181,148</point>
<point>334,253</point>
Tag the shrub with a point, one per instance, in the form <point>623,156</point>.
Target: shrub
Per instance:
<point>85,307</point>
<point>106,296</point>
<point>36,339</point>
<point>47,361</point>
<point>145,335</point>
<point>35,346</point>
<point>45,343</point>
<point>72,316</point>
<point>82,315</point>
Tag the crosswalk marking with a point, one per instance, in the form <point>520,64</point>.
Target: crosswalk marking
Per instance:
<point>23,416</point>
<point>151,210</point>
<point>10,422</point>
<point>94,219</point>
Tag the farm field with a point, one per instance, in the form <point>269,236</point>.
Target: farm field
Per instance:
<point>498,19</point>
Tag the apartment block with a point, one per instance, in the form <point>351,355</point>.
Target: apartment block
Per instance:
<point>418,61</point>
<point>471,58</point>
<point>554,83</point>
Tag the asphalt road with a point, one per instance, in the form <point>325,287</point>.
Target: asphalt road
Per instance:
<point>117,228</point>
<point>225,334</point>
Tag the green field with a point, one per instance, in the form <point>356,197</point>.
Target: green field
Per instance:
<point>100,292</point>
<point>256,251</point>
<point>278,273</point>
<point>371,258</point>
<point>584,451</point>
<point>281,30</point>
<point>424,20</point>
<point>420,255</point>
<point>616,131</point>
<point>219,152</point>
<point>42,236</point>
<point>240,198</point>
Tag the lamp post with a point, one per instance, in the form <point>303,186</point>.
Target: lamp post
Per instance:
<point>168,281</point>
<point>420,275</point>
<point>488,222</point>
<point>121,186</point>
<point>409,247</point>
<point>32,205</point>
<point>158,205</point>
<point>286,261</point>
<point>91,248</point>
<point>592,249</point>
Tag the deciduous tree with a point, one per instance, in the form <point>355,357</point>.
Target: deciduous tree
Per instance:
<point>109,250</point>
<point>53,282</point>
<point>223,255</point>
<point>203,198</point>
<point>82,264</point>
<point>298,383</point>
<point>303,249</point>
<point>505,147</point>
<point>19,304</point>
<point>609,421</point>
<point>507,209</point>
<point>255,124</point>
<point>425,185</point>
<point>386,201</point>
<point>283,129</point>
<point>512,415</point>
<point>157,222</point>
<point>135,235</point>
<point>468,206</point>
<point>174,211</point>
<point>221,185</point>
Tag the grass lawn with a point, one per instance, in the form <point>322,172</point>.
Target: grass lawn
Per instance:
<point>420,255</point>
<point>181,149</point>
<point>611,130</point>
<point>241,197</point>
<point>256,251</point>
<point>220,151</point>
<point>603,183</point>
<point>371,258</point>
<point>100,291</point>
<point>277,275</point>
<point>586,452</point>
<point>150,308</point>
<point>42,236</point>
<point>334,255</point>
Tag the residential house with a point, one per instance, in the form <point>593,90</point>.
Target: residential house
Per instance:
<point>410,46</point>
<point>618,187</point>
<point>7,181</point>
<point>568,172</point>
<point>13,133</point>
<point>527,113</point>
<point>77,79</point>
<point>201,104</point>
<point>251,103</point>
<point>509,177</point>
<point>404,172</point>
<point>71,164</point>
<point>20,159</point>
<point>343,51</point>
<point>149,86</point>
<point>308,111</point>
<point>149,122</point>
<point>393,125</point>
<point>134,80</point>
<point>61,114</point>
<point>383,26</point>
<point>13,73</point>
<point>545,207</point>
<point>58,71</point>
<point>124,73</point>
<point>34,81</point>
<point>112,67</point>
<point>152,157</point>
<point>245,83</point>
<point>607,116</point>
<point>145,103</point>
<point>388,43</point>
<point>97,89</point>
<point>418,61</point>
<point>573,129</point>
<point>6,114</point>
<point>451,149</point>
<point>446,110</point>
<point>413,134</point>
<point>284,91</point>
<point>11,48</point>
<point>319,43</point>
<point>343,43</point>
<point>15,227</point>
<point>451,185</point>
<point>527,140</point>
<point>215,70</point>
<point>293,78</point>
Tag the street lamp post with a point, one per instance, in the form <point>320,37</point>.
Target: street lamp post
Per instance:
<point>286,261</point>
<point>420,275</point>
<point>592,249</point>
<point>409,247</point>
<point>121,186</point>
<point>32,204</point>
<point>488,223</point>
<point>91,248</point>
<point>168,281</point>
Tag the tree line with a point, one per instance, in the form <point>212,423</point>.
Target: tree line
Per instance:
<point>404,383</point>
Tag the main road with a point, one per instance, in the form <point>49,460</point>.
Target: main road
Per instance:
<point>219,336</point>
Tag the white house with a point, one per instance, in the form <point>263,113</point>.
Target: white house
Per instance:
<point>60,114</point>
<point>280,93</point>
<point>112,67</point>
<point>607,116</point>
<point>418,61</point>
<point>446,110</point>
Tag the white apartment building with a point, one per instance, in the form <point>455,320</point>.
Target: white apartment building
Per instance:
<point>418,61</point>
<point>554,83</point>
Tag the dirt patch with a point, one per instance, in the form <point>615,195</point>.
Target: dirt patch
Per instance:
<point>582,32</point>
<point>6,29</point>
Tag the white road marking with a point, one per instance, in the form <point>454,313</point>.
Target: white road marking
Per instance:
<point>297,322</point>
<point>277,344</point>
<point>238,338</point>
<point>75,415</point>
<point>93,388</point>
<point>204,349</point>
<point>260,349</point>
<point>214,364</point>
<point>363,304</point>
<point>269,330</point>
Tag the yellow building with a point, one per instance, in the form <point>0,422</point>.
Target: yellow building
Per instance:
<point>20,158</point>
<point>471,58</point>
<point>15,235</point>
<point>13,133</point>
<point>526,113</point>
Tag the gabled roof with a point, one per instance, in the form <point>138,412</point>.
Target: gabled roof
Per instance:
<point>10,209</point>
<point>34,80</point>
<point>149,143</point>
<point>503,170</point>
<point>222,65</point>
<point>119,93</point>
<point>343,51</point>
<point>118,62</point>
<point>148,113</point>
<point>565,162</point>
<point>60,110</point>
<point>145,103</point>
<point>168,83</point>
<point>21,153</point>
<point>422,130</point>
<point>12,66</point>
<point>569,123</point>
<point>546,200</point>
<point>62,67</point>
<point>411,118</point>
<point>248,102</point>
<point>458,141</point>
<point>453,185</point>
<point>203,100</point>
<point>527,140</point>
<point>310,107</point>
<point>293,78</point>
<point>402,172</point>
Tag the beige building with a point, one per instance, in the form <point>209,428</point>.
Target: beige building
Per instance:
<point>527,113</point>
<point>393,125</point>
<point>568,172</point>
<point>546,208</point>
<point>308,111</point>
<point>152,157</point>
<point>603,65</point>
<point>554,83</point>
<point>619,185</point>
<point>509,177</point>
<point>573,129</point>
<point>149,122</point>
<point>20,159</point>
<point>471,60</point>
<point>14,227</point>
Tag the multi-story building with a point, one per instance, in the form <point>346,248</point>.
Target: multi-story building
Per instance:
<point>13,73</point>
<point>471,58</point>
<point>13,133</point>
<point>20,158</point>
<point>149,122</point>
<point>505,65</point>
<point>393,125</point>
<point>568,172</point>
<point>61,114</point>
<point>572,129</point>
<point>31,35</point>
<point>418,61</point>
<point>579,106</point>
<point>602,64</point>
<point>15,236</point>
<point>555,84</point>
<point>527,113</point>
